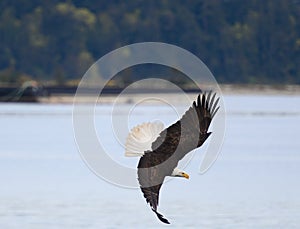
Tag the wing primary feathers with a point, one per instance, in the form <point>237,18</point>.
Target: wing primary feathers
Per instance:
<point>194,104</point>
<point>199,108</point>
<point>211,101</point>
<point>208,100</point>
<point>203,100</point>
<point>213,114</point>
<point>160,216</point>
<point>198,100</point>
<point>214,110</point>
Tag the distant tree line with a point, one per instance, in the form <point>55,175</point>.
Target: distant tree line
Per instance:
<point>250,41</point>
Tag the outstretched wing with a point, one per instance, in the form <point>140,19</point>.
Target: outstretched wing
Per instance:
<point>173,144</point>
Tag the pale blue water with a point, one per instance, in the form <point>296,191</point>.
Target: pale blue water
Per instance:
<point>253,184</point>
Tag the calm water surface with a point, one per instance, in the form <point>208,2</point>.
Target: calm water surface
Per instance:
<point>253,184</point>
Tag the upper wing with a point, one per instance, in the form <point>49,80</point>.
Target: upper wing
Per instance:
<point>191,130</point>
<point>173,144</point>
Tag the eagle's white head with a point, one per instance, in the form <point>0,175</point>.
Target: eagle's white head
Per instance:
<point>179,173</point>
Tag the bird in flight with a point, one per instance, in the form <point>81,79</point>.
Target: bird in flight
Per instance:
<point>161,149</point>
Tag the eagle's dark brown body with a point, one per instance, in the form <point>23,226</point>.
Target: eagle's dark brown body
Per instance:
<point>172,145</point>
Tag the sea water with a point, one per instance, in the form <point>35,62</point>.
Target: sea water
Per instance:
<point>253,184</point>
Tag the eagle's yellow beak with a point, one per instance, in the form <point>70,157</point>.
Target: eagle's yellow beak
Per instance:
<point>185,175</point>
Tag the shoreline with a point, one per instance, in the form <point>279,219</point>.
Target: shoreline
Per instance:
<point>226,89</point>
<point>257,89</point>
<point>65,95</point>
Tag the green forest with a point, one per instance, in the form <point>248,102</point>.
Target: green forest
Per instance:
<point>252,41</point>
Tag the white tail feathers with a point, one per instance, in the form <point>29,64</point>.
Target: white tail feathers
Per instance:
<point>141,137</point>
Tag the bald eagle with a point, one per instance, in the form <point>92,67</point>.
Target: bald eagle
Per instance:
<point>161,149</point>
